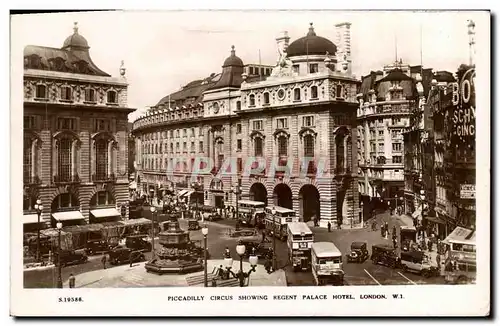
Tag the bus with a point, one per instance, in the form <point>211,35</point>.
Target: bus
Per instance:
<point>276,225</point>
<point>300,239</point>
<point>326,263</point>
<point>460,265</point>
<point>251,213</point>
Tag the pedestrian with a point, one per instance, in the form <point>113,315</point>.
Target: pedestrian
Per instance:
<point>227,253</point>
<point>103,261</point>
<point>131,258</point>
<point>72,281</point>
<point>438,261</point>
<point>395,242</point>
<point>329,226</point>
<point>382,230</point>
<point>386,227</point>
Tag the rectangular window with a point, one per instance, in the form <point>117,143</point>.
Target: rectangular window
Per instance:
<point>238,145</point>
<point>380,121</point>
<point>184,147</point>
<point>192,132</point>
<point>29,122</point>
<point>66,93</point>
<point>177,133</point>
<point>380,132</point>
<point>66,123</point>
<point>257,125</point>
<point>373,149</point>
<point>171,134</point>
<point>313,68</point>
<point>296,94</point>
<point>201,147</point>
<point>295,69</point>
<point>193,149</point>
<point>171,147</point>
<point>397,159</point>
<point>184,132</point>
<point>282,123</point>
<point>200,131</point>
<point>381,147</point>
<point>177,147</point>
<point>396,147</point>
<point>238,128</point>
<point>308,121</point>
<point>101,125</point>
<point>396,121</point>
<point>240,164</point>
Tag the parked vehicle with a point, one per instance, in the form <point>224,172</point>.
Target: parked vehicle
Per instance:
<point>193,225</point>
<point>359,252</point>
<point>385,255</point>
<point>138,242</point>
<point>418,262</point>
<point>71,257</point>
<point>121,255</point>
<point>96,246</point>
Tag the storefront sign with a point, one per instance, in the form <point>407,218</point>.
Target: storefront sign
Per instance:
<point>467,191</point>
<point>464,102</point>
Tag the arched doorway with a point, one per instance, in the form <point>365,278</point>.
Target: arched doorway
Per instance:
<point>283,196</point>
<point>258,192</point>
<point>309,203</point>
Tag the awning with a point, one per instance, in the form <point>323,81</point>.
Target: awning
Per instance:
<point>460,234</point>
<point>435,219</point>
<point>132,185</point>
<point>69,215</point>
<point>137,221</point>
<point>105,212</point>
<point>417,213</point>
<point>182,193</point>
<point>30,218</point>
<point>188,194</point>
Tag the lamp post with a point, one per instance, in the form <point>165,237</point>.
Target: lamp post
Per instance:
<point>273,213</point>
<point>39,209</point>
<point>241,275</point>
<point>59,267</point>
<point>362,214</point>
<point>236,191</point>
<point>204,231</point>
<point>153,212</point>
<point>401,201</point>
<point>196,187</point>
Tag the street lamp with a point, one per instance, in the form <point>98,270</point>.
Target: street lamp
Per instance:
<point>362,213</point>
<point>59,269</point>
<point>153,211</point>
<point>241,275</point>
<point>273,213</point>
<point>196,187</point>
<point>236,191</point>
<point>39,209</point>
<point>204,231</point>
<point>402,203</point>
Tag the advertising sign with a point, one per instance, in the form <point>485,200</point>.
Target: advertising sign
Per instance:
<point>467,191</point>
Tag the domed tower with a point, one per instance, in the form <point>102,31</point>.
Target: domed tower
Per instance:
<point>311,44</point>
<point>75,42</point>
<point>232,69</point>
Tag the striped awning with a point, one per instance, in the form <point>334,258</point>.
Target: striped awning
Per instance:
<point>69,215</point>
<point>105,212</point>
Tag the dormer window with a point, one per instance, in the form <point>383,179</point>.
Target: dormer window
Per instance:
<point>296,94</point>
<point>111,97</point>
<point>339,91</point>
<point>313,68</point>
<point>41,91</point>
<point>251,100</point>
<point>66,93</point>
<point>314,92</point>
<point>266,98</point>
<point>90,95</point>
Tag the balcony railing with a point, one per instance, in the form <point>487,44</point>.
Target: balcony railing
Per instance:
<point>32,180</point>
<point>67,178</point>
<point>102,177</point>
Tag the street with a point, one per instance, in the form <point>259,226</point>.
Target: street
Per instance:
<point>218,239</point>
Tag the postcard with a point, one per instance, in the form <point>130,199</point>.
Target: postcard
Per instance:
<point>250,163</point>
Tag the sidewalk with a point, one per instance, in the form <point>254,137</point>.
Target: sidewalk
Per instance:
<point>136,276</point>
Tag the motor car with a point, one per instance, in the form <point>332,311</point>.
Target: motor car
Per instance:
<point>96,246</point>
<point>121,255</point>
<point>418,262</point>
<point>244,233</point>
<point>261,248</point>
<point>71,257</point>
<point>193,225</point>
<point>359,252</point>
<point>138,242</point>
<point>385,255</point>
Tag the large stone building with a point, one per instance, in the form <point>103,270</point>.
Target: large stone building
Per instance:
<point>75,136</point>
<point>300,118</point>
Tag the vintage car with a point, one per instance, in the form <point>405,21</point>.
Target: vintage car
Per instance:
<point>359,252</point>
<point>244,233</point>
<point>193,225</point>
<point>138,242</point>
<point>262,249</point>
<point>418,262</point>
<point>385,255</point>
<point>122,255</point>
<point>96,246</point>
<point>71,257</point>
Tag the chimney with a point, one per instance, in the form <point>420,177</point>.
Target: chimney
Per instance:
<point>343,42</point>
<point>282,42</point>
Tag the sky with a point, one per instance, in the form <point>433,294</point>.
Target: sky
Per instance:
<point>164,50</point>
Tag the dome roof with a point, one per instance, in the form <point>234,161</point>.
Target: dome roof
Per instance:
<point>233,60</point>
<point>311,44</point>
<point>76,40</point>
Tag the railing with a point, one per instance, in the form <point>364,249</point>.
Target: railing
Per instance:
<point>100,177</point>
<point>32,180</point>
<point>67,179</point>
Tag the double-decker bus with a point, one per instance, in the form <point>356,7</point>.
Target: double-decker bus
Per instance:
<point>251,213</point>
<point>276,220</point>
<point>300,239</point>
<point>326,263</point>
<point>460,265</point>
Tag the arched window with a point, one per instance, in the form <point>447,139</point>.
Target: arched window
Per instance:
<point>111,97</point>
<point>41,91</point>
<point>64,201</point>
<point>339,91</point>
<point>314,92</point>
<point>340,149</point>
<point>251,100</point>
<point>266,98</point>
<point>66,93</point>
<point>64,159</point>
<point>90,95</point>
<point>282,146</point>
<point>101,153</point>
<point>309,146</point>
<point>296,94</point>
<point>258,146</point>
